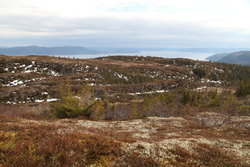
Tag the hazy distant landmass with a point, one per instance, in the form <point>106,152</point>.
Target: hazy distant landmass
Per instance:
<point>64,50</point>
<point>78,50</point>
<point>37,50</point>
<point>242,57</point>
<point>217,57</point>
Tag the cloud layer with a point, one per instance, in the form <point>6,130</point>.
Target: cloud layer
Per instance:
<point>179,23</point>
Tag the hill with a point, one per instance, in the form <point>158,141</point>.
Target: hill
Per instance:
<point>242,57</point>
<point>33,79</point>
<point>123,111</point>
<point>217,57</point>
<point>36,50</point>
<point>129,74</point>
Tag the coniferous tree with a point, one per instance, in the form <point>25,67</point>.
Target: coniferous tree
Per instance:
<point>70,104</point>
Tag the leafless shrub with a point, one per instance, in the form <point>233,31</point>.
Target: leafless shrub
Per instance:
<point>25,111</point>
<point>241,122</point>
<point>212,119</point>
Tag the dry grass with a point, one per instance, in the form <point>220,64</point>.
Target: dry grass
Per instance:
<point>152,141</point>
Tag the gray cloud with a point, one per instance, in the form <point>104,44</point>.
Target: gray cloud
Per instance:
<point>109,31</point>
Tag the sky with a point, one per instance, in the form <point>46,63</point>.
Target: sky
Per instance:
<point>125,23</point>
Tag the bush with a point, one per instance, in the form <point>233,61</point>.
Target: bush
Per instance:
<point>200,72</point>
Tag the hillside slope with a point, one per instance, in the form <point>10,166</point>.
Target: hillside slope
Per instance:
<point>122,111</point>
<point>242,57</point>
<point>23,79</point>
<point>217,57</point>
<point>29,81</point>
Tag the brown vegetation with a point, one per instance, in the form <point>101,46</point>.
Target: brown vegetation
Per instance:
<point>123,111</point>
<point>151,141</point>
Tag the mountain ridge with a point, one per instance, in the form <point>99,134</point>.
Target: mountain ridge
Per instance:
<point>79,50</point>
<point>37,50</point>
<point>217,57</point>
<point>241,57</point>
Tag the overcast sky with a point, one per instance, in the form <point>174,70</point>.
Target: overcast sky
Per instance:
<point>125,23</point>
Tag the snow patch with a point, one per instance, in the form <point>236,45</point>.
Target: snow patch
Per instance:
<point>39,101</point>
<point>45,93</point>
<point>52,99</point>
<point>121,76</point>
<point>150,92</point>
<point>29,66</point>
<point>204,87</point>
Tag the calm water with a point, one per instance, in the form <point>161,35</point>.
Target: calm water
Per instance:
<point>164,54</point>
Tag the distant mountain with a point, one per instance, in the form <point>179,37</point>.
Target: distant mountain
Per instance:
<point>242,57</point>
<point>36,50</point>
<point>217,57</point>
